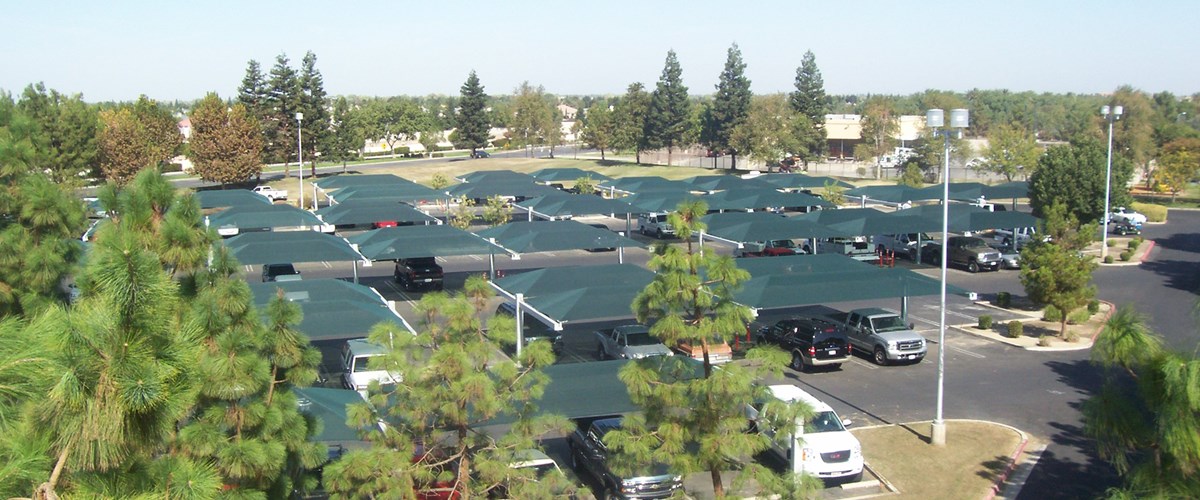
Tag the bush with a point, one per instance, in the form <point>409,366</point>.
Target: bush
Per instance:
<point>1154,213</point>
<point>1044,341</point>
<point>1139,239</point>
<point>1078,316</point>
<point>1093,306</point>
<point>1072,336</point>
<point>501,143</point>
<point>1108,259</point>
<point>1133,244</point>
<point>402,150</point>
<point>1126,255</point>
<point>1004,299</point>
<point>861,171</point>
<point>985,322</point>
<point>1016,329</point>
<point>1052,314</point>
<point>438,155</point>
<point>1112,243</point>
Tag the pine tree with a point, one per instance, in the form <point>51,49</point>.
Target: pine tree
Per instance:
<point>282,103</point>
<point>599,128</point>
<point>64,133</point>
<point>696,422</point>
<point>225,143</point>
<point>629,115</point>
<point>347,138</point>
<point>312,104</point>
<point>668,118</point>
<point>450,384</point>
<point>472,119</point>
<point>253,91</point>
<point>809,100</point>
<point>730,106</point>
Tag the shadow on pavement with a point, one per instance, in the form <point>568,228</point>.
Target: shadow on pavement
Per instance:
<point>1180,275</point>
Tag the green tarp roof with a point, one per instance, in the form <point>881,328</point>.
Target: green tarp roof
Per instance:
<point>516,188</point>
<point>760,198</point>
<point>333,309</point>
<point>970,218</point>
<point>217,198</point>
<point>801,181</point>
<point>402,242</point>
<point>583,390</point>
<point>566,204</point>
<point>263,216</point>
<point>349,180</point>
<point>828,217</point>
<point>367,211</point>
<point>638,184</point>
<point>1014,189</point>
<point>893,193</point>
<point>579,293</point>
<point>661,201</point>
<point>329,406</point>
<point>501,176</point>
<point>549,236</point>
<point>290,246</point>
<point>314,291</point>
<point>725,182</point>
<point>567,174</point>
<point>888,223</point>
<point>762,226</point>
<point>410,192</point>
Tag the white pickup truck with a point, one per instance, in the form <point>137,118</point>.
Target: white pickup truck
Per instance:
<point>628,342</point>
<point>271,193</point>
<point>359,366</point>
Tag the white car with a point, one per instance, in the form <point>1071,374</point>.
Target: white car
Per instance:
<point>823,448</point>
<point>1128,215</point>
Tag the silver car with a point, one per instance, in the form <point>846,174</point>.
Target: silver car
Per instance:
<point>1010,258</point>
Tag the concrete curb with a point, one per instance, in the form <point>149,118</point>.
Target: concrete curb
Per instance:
<point>970,329</point>
<point>1147,254</point>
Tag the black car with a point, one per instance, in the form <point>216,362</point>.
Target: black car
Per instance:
<point>479,153</point>
<point>419,272</point>
<point>812,341</point>
<point>279,272</point>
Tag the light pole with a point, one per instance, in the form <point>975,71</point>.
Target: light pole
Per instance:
<point>1111,117</point>
<point>935,119</point>
<point>300,153</point>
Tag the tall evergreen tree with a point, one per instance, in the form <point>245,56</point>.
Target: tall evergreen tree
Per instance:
<point>472,119</point>
<point>730,106</point>
<point>347,138</point>
<point>65,137</point>
<point>316,116</point>
<point>668,118</point>
<point>253,91</point>
<point>599,128</point>
<point>225,142</point>
<point>629,114</point>
<point>283,101</point>
<point>809,100</point>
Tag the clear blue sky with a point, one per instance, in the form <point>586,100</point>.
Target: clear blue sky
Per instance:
<point>181,50</point>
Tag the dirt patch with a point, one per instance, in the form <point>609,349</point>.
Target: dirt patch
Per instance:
<point>974,457</point>
<point>1034,328</point>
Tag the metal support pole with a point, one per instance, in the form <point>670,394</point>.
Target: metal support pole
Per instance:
<point>1107,190</point>
<point>300,154</point>
<point>520,315</point>
<point>356,272</point>
<point>938,431</point>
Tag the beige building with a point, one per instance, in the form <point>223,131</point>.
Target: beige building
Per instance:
<point>844,132</point>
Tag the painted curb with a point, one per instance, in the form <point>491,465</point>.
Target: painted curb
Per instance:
<point>1147,254</point>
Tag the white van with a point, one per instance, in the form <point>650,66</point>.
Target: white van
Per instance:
<point>822,447</point>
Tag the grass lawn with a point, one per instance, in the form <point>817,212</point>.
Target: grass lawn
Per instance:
<point>975,455</point>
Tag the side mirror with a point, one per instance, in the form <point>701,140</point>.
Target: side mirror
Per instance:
<point>912,326</point>
<point>846,422</point>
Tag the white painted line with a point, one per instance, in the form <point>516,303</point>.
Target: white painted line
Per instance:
<point>440,259</point>
<point>961,315</point>
<point>327,265</point>
<point>248,268</point>
<point>968,353</point>
<point>550,254</point>
<point>860,362</point>
<point>475,257</point>
<point>398,290</point>
<point>923,320</point>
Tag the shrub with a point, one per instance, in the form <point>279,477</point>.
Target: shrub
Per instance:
<point>1108,259</point>
<point>1112,243</point>
<point>1126,255</point>
<point>1139,239</point>
<point>1153,212</point>
<point>437,155</point>
<point>500,142</point>
<point>1093,306</point>
<point>1072,336</point>
<point>1004,299</point>
<point>1078,316</point>
<point>401,150</point>
<point>1052,314</point>
<point>1133,244</point>
<point>1016,329</point>
<point>985,322</point>
<point>861,171</point>
<point>1044,341</point>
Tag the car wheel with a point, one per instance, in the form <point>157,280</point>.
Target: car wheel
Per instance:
<point>835,366</point>
<point>973,266</point>
<point>574,459</point>
<point>600,353</point>
<point>658,234</point>
<point>880,357</point>
<point>797,362</point>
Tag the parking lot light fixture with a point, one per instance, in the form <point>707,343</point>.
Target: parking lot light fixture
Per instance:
<point>959,120</point>
<point>300,153</point>
<point>1111,117</point>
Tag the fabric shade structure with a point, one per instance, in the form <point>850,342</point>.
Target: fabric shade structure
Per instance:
<point>662,201</point>
<point>567,205</point>
<point>799,280</point>
<point>371,210</point>
<point>828,217</point>
<point>761,226</point>
<point>726,182</point>
<point>567,174</point>
<point>801,181</point>
<point>333,309</point>
<point>559,295</point>
<point>555,280</point>
<point>888,223</point>
<point>329,407</point>
<point>970,218</point>
<point>218,198</point>
<point>403,242</point>
<point>234,220</point>
<point>894,193</point>
<point>1014,189</point>
<point>758,199</point>
<point>526,237</point>
<point>640,184</point>
<point>958,191</point>
<point>410,193</point>
<point>502,176</point>
<point>291,246</point>
<point>520,189</point>
<point>358,180</point>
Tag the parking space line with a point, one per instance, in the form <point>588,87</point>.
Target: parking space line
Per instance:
<point>249,268</point>
<point>327,265</point>
<point>398,290</point>
<point>968,353</point>
<point>860,362</point>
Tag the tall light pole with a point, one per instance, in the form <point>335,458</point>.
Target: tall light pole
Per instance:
<point>935,119</point>
<point>1111,117</point>
<point>300,153</point>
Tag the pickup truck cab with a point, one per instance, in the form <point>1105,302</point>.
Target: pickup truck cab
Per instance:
<point>271,193</point>
<point>419,273</point>
<point>655,224</point>
<point>359,360</point>
<point>856,248</point>
<point>811,342</point>
<point>628,342</point>
<point>973,253</point>
<point>882,334</point>
<point>772,248</point>
<point>819,446</point>
<point>907,244</point>
<point>589,455</point>
<point>280,272</point>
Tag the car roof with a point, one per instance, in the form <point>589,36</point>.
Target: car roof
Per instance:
<point>873,311</point>
<point>363,347</point>
<point>791,393</point>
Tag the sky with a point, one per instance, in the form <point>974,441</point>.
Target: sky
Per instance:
<point>176,50</point>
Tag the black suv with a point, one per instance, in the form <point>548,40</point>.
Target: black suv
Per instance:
<point>419,273</point>
<point>812,342</point>
<point>279,272</point>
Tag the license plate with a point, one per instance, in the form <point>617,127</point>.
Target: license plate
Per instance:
<point>833,353</point>
<point>429,280</point>
<point>912,356</point>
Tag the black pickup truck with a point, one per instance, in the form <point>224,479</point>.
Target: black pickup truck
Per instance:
<point>590,455</point>
<point>419,273</point>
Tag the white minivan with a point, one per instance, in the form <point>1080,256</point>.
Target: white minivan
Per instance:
<point>822,447</point>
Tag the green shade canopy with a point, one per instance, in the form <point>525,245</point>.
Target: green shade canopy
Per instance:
<point>761,198</point>
<point>329,407</point>
<point>333,309</point>
<point>549,236</point>
<point>290,246</point>
<point>488,189</point>
<point>828,217</point>
<point>639,184</point>
<point>259,216</point>
<point>500,176</point>
<point>958,191</point>
<point>218,198</point>
<point>1014,189</point>
<point>726,182</point>
<point>969,217</point>
<point>356,180</point>
<point>553,280</point>
<point>893,193</point>
<point>762,226</point>
<point>566,204</point>
<point>889,223</point>
<point>402,242</point>
<point>801,181</point>
<point>411,193</point>
<point>568,174</point>
<point>367,211</point>
<point>579,293</point>
<point>661,201</point>
<point>314,291</point>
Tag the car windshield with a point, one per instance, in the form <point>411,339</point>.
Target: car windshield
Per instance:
<point>887,323</point>
<point>823,421</point>
<point>973,242</point>
<point>362,364</point>
<point>640,339</point>
<point>422,261</point>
